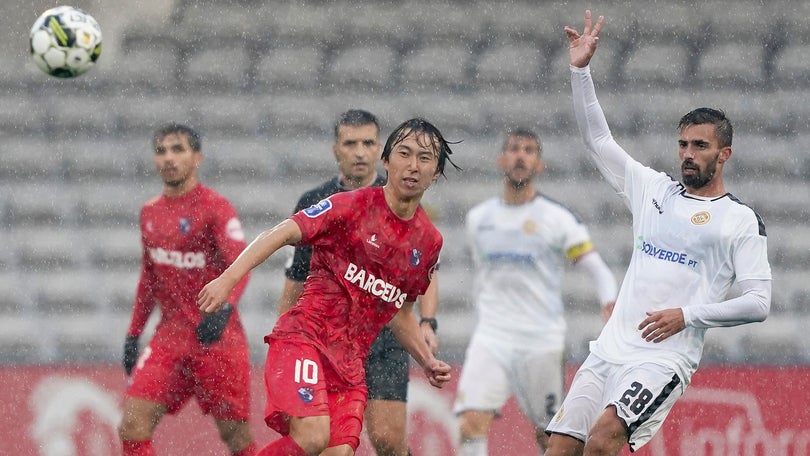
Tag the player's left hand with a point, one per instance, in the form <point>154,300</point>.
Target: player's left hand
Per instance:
<point>661,324</point>
<point>437,373</point>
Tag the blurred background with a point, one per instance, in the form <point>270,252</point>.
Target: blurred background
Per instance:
<point>264,81</point>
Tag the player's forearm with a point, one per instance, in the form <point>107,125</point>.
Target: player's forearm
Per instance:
<point>407,332</point>
<point>751,306</point>
<point>603,278</point>
<point>608,156</point>
<point>265,244</point>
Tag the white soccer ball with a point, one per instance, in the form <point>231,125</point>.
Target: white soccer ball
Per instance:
<point>65,42</point>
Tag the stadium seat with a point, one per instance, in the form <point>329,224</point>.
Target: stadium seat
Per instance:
<point>298,115</point>
<point>309,22</point>
<point>223,67</point>
<point>732,65</point>
<point>513,66</point>
<point>361,66</point>
<point>658,65</point>
<point>48,249</point>
<point>296,66</point>
<point>113,204</point>
<point>40,204</point>
<point>437,67</point>
<point>148,66</point>
<point>113,248</point>
<point>791,68</point>
<point>65,292</point>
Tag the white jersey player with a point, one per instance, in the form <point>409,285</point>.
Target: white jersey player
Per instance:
<point>693,241</point>
<point>520,243</point>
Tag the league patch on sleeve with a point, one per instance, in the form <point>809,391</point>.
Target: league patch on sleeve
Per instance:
<point>318,208</point>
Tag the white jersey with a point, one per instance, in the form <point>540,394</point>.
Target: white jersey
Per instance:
<point>519,252</point>
<point>688,251</point>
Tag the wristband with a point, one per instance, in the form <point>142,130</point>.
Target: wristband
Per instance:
<point>431,321</point>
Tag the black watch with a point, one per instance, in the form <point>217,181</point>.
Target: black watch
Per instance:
<point>431,321</point>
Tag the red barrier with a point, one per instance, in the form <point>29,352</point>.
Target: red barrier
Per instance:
<point>746,411</point>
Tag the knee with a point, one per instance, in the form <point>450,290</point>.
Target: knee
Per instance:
<point>474,424</point>
<point>236,435</point>
<point>606,440</point>
<point>311,434</point>
<point>135,428</point>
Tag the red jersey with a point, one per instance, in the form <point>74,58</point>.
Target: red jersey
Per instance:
<point>187,241</point>
<point>366,262</point>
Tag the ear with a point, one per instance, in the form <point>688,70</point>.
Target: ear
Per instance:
<point>198,158</point>
<point>725,154</point>
<point>335,152</point>
<point>541,166</point>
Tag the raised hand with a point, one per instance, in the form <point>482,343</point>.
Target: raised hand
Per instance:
<point>582,47</point>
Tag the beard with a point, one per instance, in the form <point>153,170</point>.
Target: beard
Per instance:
<point>701,177</point>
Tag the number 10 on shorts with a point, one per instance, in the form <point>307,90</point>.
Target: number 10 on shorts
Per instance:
<point>306,370</point>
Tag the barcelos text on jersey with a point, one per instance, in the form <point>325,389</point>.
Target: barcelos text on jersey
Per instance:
<point>180,260</point>
<point>375,286</point>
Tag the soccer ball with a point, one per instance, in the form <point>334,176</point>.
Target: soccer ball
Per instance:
<point>65,42</point>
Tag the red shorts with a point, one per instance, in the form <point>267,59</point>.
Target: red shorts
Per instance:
<point>300,382</point>
<point>174,367</point>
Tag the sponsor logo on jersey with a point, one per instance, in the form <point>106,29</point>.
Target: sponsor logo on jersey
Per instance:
<point>306,393</point>
<point>663,254</point>
<point>373,241</point>
<point>185,225</point>
<point>701,218</point>
<point>318,208</point>
<point>180,260</point>
<point>234,229</point>
<point>657,206</point>
<point>416,257</point>
<point>377,287</point>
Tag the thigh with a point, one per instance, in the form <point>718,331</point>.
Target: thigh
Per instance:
<point>538,384</point>
<point>295,384</point>
<point>222,374</point>
<point>584,401</point>
<point>643,395</point>
<point>161,374</point>
<point>484,384</point>
<point>346,406</point>
<point>387,369</point>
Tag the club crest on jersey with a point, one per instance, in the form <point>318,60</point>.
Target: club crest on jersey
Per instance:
<point>318,208</point>
<point>185,225</point>
<point>306,394</point>
<point>416,257</point>
<point>701,218</point>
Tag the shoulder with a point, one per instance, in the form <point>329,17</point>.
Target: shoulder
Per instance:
<point>746,213</point>
<point>555,208</point>
<point>483,207</point>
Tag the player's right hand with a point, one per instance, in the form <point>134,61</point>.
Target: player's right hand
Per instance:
<point>130,353</point>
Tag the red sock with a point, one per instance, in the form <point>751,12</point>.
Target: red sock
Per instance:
<point>284,446</point>
<point>138,448</point>
<point>249,450</point>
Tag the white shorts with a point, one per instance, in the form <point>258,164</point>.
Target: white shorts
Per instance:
<point>491,375</point>
<point>643,395</point>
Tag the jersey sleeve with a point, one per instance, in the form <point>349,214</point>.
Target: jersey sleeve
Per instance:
<point>321,218</point>
<point>144,297</point>
<point>230,242</point>
<point>750,251</point>
<point>577,241</point>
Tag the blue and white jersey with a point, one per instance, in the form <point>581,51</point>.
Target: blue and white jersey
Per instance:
<point>519,252</point>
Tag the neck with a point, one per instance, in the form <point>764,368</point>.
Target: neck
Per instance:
<point>714,189</point>
<point>404,208</point>
<point>518,195</point>
<point>180,189</point>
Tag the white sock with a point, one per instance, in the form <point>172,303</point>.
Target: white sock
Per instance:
<point>473,447</point>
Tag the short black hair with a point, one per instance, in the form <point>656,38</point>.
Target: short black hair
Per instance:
<point>419,125</point>
<point>522,132</point>
<point>194,139</point>
<point>716,117</point>
<point>356,118</point>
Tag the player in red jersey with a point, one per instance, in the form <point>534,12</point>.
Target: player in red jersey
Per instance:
<point>190,234</point>
<point>374,251</point>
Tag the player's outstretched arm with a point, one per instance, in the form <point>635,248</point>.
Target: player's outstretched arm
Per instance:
<point>428,305</point>
<point>216,292</point>
<point>407,332</point>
